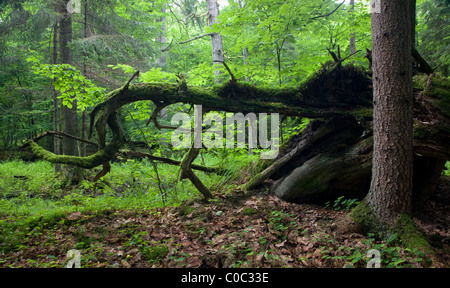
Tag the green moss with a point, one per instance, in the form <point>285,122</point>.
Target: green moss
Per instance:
<point>250,211</point>
<point>419,82</point>
<point>364,217</point>
<point>363,113</point>
<point>410,235</point>
<point>422,131</point>
<point>405,229</point>
<point>88,162</point>
<point>437,88</point>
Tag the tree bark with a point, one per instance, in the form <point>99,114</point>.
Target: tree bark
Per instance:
<point>216,39</point>
<point>413,13</point>
<point>162,39</point>
<point>392,166</point>
<point>84,113</point>
<point>352,44</point>
<point>56,141</point>
<point>70,121</point>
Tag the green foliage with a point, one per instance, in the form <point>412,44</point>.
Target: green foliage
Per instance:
<point>446,171</point>
<point>343,204</point>
<point>282,37</point>
<point>391,256</point>
<point>281,221</point>
<point>36,198</point>
<point>152,251</point>
<point>433,39</point>
<point>292,127</point>
<point>71,84</point>
<point>153,75</point>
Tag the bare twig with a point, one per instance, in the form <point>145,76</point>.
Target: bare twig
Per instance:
<point>233,79</point>
<point>197,37</point>
<point>131,79</point>
<point>154,119</point>
<point>187,41</point>
<point>126,153</point>
<point>56,134</point>
<point>326,15</point>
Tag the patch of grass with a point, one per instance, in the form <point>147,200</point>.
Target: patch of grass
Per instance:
<point>32,197</point>
<point>20,179</point>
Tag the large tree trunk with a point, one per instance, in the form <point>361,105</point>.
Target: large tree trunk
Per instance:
<point>84,113</point>
<point>56,140</point>
<point>70,121</point>
<point>392,167</point>
<point>413,13</point>
<point>328,160</point>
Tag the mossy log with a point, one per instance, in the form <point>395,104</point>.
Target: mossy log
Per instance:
<point>340,91</point>
<point>331,157</point>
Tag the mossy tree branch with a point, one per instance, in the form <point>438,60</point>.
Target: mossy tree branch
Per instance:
<point>334,92</point>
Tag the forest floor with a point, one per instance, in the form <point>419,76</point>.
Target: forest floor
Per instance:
<point>233,230</point>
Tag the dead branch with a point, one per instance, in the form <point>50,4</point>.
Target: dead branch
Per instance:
<point>326,15</point>
<point>55,134</point>
<point>187,41</point>
<point>135,154</point>
<point>233,79</point>
<point>135,74</point>
<point>422,64</point>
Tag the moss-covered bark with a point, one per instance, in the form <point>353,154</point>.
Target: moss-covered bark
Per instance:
<point>410,236</point>
<point>405,228</point>
<point>337,92</point>
<point>88,162</point>
<point>364,218</point>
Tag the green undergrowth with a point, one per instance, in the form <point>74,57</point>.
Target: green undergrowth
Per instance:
<point>31,195</point>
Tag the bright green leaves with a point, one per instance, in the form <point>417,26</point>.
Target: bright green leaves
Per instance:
<point>157,75</point>
<point>433,24</point>
<point>126,68</point>
<point>71,84</point>
<point>287,39</point>
<point>153,75</point>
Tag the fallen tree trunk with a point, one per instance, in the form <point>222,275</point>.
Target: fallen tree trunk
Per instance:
<point>336,92</point>
<point>331,157</point>
<point>334,158</point>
